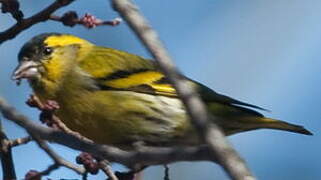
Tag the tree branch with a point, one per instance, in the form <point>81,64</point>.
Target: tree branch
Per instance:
<point>20,141</point>
<point>166,172</point>
<point>8,168</point>
<point>105,167</point>
<point>12,7</point>
<point>51,119</point>
<point>89,21</point>
<point>210,132</point>
<point>58,160</point>
<point>23,24</point>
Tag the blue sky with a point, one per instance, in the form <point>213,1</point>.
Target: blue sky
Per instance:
<point>263,52</point>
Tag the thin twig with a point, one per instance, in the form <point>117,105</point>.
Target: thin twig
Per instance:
<point>49,169</point>
<point>85,176</point>
<point>166,173</point>
<point>12,7</point>
<point>23,24</point>
<point>89,21</point>
<point>58,160</point>
<point>34,101</point>
<point>20,141</point>
<point>105,167</point>
<point>228,158</point>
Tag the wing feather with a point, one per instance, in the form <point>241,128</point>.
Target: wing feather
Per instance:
<point>117,70</point>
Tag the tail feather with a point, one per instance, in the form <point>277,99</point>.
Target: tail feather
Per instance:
<point>281,125</point>
<point>252,123</point>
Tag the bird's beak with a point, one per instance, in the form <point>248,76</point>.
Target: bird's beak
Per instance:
<point>25,70</point>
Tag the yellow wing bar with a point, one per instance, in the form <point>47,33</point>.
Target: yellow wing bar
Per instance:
<point>149,81</point>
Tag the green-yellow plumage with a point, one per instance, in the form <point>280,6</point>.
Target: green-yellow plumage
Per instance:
<point>118,98</point>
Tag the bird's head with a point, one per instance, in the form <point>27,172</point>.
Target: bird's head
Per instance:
<point>47,56</point>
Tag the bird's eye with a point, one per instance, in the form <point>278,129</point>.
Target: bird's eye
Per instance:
<point>47,50</point>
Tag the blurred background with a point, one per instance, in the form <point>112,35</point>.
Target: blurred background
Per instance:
<point>263,52</point>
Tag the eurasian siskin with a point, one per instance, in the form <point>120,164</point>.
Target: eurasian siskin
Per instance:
<point>114,97</point>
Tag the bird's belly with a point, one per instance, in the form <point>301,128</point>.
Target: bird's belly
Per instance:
<point>123,117</point>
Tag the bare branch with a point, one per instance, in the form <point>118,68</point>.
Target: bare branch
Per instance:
<point>89,21</point>
<point>132,159</point>
<point>8,168</point>
<point>49,169</point>
<point>166,173</point>
<point>52,119</point>
<point>105,167</point>
<point>210,132</point>
<point>23,24</point>
<point>20,141</point>
<point>33,175</point>
<point>58,160</point>
<point>12,7</point>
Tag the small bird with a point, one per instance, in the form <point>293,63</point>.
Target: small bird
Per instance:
<point>117,98</point>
